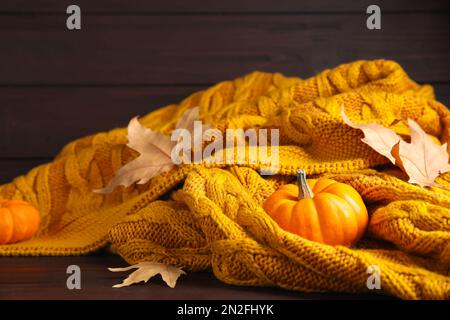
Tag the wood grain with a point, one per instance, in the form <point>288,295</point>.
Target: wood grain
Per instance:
<point>39,121</point>
<point>200,49</point>
<point>12,168</point>
<point>45,278</point>
<point>229,6</point>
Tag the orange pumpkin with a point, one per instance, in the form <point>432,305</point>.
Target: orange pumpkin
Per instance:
<point>18,221</point>
<point>321,210</point>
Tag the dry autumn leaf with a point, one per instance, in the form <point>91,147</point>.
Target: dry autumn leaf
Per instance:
<point>154,158</point>
<point>154,149</point>
<point>379,138</point>
<point>146,270</point>
<point>422,160</point>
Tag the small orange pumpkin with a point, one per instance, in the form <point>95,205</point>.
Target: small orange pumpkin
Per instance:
<point>18,221</point>
<point>321,210</point>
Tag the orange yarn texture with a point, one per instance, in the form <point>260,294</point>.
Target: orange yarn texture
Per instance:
<point>199,217</point>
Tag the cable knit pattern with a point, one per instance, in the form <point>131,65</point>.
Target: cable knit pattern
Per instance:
<point>200,217</point>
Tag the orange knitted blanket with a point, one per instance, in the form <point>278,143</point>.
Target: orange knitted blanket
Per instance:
<point>199,217</point>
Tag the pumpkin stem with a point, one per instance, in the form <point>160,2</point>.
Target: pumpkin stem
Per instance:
<point>304,191</point>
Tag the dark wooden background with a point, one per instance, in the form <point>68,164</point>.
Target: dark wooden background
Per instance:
<point>133,56</point>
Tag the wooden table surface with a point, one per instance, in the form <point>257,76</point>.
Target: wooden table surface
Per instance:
<point>45,278</point>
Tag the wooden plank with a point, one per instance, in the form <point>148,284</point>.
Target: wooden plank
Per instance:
<point>45,278</point>
<point>229,6</point>
<point>10,169</point>
<point>38,121</point>
<point>442,92</point>
<point>186,49</point>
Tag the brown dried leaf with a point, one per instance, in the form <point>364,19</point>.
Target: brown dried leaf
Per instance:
<point>146,270</point>
<point>379,138</point>
<point>154,158</point>
<point>154,149</point>
<point>422,159</point>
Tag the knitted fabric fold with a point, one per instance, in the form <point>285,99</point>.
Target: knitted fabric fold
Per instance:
<point>204,217</point>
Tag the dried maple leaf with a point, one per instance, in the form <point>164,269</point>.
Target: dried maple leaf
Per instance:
<point>154,158</point>
<point>146,270</point>
<point>379,138</point>
<point>154,149</point>
<point>422,159</point>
